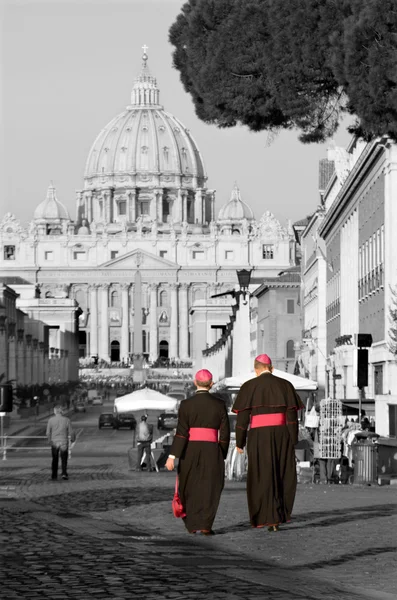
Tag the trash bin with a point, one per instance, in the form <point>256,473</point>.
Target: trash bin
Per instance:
<point>365,457</point>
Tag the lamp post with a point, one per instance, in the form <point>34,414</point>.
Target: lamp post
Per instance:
<point>244,278</point>
<point>241,352</point>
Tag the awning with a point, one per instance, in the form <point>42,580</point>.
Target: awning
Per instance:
<point>351,407</point>
<point>299,383</point>
<point>145,399</point>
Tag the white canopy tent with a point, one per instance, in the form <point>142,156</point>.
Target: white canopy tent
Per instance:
<point>301,384</point>
<point>145,399</point>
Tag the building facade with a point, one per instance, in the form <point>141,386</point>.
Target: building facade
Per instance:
<point>278,321</point>
<point>356,273</point>
<point>145,206</point>
<point>38,336</point>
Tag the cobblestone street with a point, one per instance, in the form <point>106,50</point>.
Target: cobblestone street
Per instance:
<point>110,533</point>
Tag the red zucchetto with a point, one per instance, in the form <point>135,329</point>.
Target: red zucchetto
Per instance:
<point>264,359</point>
<point>203,375</point>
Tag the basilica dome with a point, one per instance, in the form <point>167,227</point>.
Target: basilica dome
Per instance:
<point>235,209</point>
<point>144,143</point>
<point>51,209</point>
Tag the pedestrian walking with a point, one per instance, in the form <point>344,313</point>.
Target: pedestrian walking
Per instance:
<point>59,434</point>
<point>268,405</point>
<point>201,443</point>
<point>144,441</point>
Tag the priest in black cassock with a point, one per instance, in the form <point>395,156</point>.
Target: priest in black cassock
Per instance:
<point>201,443</point>
<point>267,422</point>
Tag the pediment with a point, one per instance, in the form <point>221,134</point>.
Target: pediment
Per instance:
<point>138,258</point>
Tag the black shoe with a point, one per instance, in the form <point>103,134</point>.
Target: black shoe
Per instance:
<point>64,476</point>
<point>273,528</point>
<point>54,478</point>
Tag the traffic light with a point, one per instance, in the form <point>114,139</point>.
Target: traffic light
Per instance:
<point>363,342</point>
<point>362,367</point>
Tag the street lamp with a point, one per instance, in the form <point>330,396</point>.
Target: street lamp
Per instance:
<point>244,277</point>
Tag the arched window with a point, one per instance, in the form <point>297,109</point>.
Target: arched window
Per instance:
<point>163,298</point>
<point>114,299</point>
<point>290,349</point>
<point>115,351</point>
<point>163,349</point>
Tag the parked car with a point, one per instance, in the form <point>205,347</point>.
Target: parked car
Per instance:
<point>106,420</point>
<point>98,400</point>
<point>79,406</point>
<point>167,420</point>
<point>124,420</point>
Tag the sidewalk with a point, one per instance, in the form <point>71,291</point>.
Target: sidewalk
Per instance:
<point>340,544</point>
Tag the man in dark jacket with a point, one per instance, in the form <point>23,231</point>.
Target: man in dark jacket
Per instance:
<point>268,405</point>
<point>201,443</point>
<point>59,434</point>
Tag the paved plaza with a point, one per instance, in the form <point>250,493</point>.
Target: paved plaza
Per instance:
<point>109,533</point>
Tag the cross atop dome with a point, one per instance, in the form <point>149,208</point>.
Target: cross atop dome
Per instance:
<point>235,195</point>
<point>145,92</point>
<point>235,209</point>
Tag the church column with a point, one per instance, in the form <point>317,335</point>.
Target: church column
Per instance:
<point>154,341</point>
<point>184,324</point>
<point>212,206</point>
<point>125,329</point>
<point>153,207</point>
<point>89,206</point>
<point>104,332</point>
<point>79,205</point>
<point>198,207</point>
<point>179,208</point>
<point>94,319</point>
<point>184,205</point>
<point>173,351</point>
<point>159,204</point>
<point>132,205</point>
<point>111,213</point>
<point>105,209</point>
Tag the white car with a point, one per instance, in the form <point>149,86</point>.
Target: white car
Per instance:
<point>98,400</point>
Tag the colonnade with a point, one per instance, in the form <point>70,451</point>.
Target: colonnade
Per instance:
<point>88,204</point>
<point>178,315</point>
<point>26,360</point>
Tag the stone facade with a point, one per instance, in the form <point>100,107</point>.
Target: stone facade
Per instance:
<point>145,207</point>
<point>278,320</point>
<point>38,337</point>
<point>357,229</point>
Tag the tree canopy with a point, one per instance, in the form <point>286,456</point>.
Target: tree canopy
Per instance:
<point>272,64</point>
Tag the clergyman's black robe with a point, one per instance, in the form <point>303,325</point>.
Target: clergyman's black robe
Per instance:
<point>271,477</point>
<point>201,466</point>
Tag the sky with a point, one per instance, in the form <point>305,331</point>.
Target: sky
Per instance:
<point>67,68</point>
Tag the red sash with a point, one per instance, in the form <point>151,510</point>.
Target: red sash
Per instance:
<point>203,434</point>
<point>269,420</point>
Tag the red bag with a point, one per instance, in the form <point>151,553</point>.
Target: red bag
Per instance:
<point>177,507</point>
